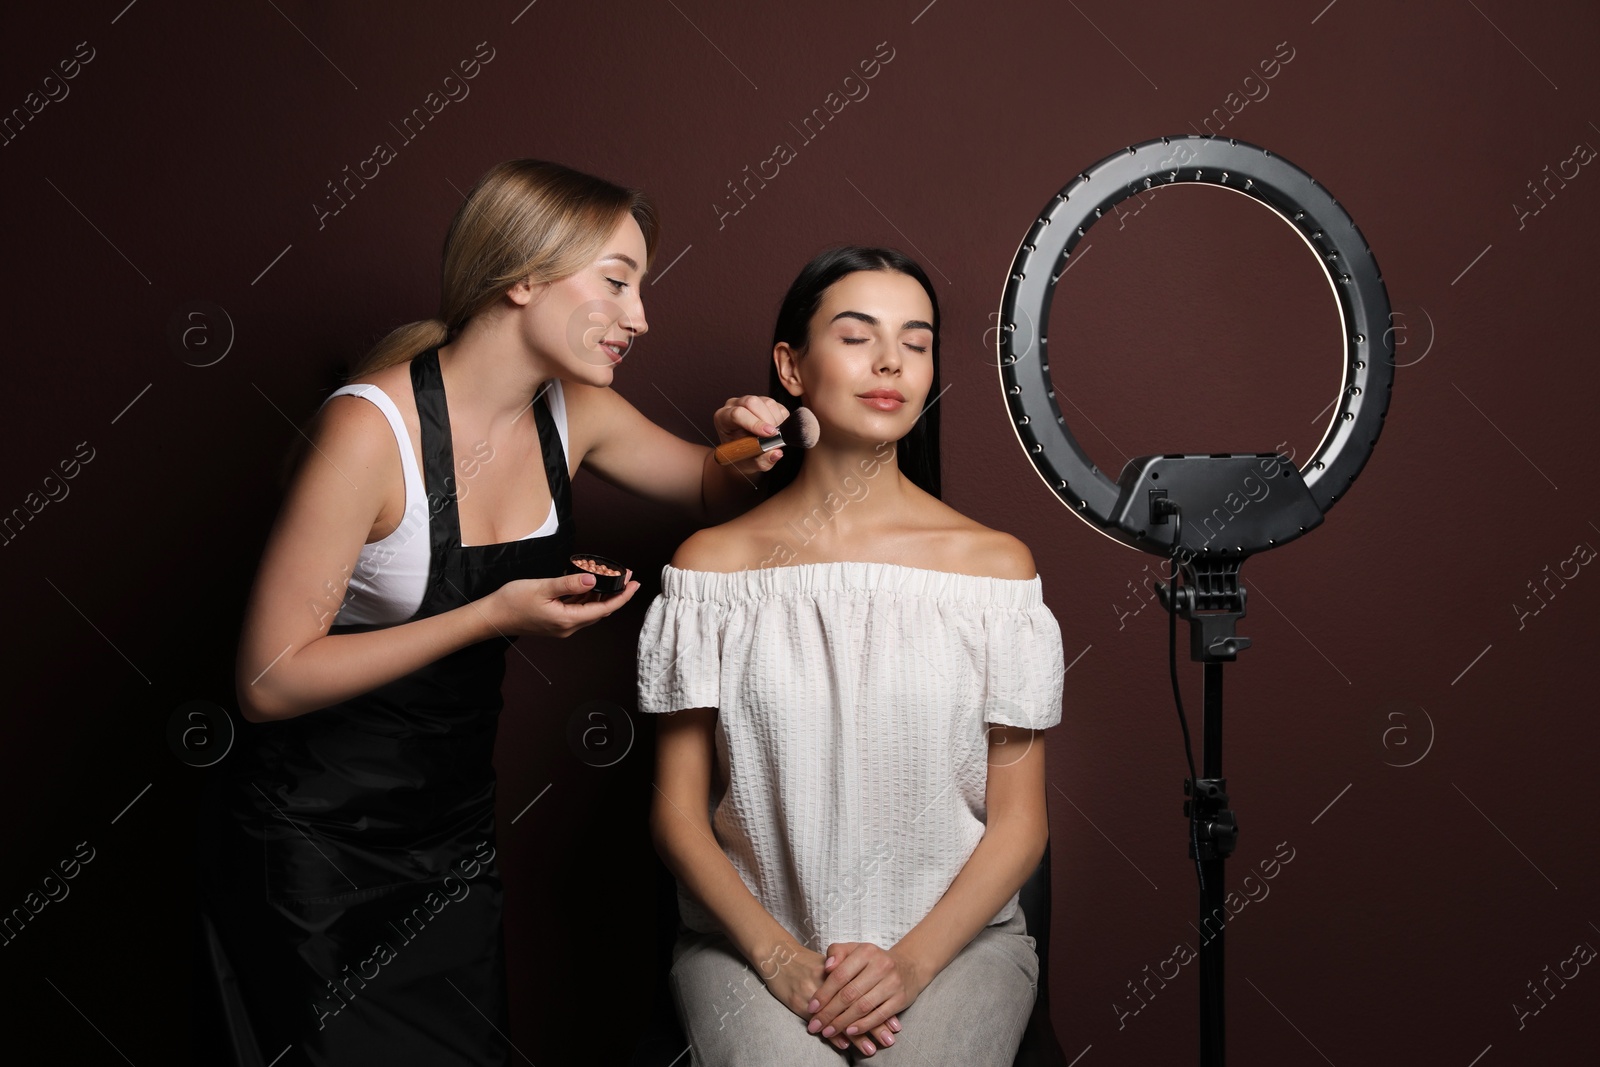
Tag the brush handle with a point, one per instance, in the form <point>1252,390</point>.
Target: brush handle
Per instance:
<point>746,447</point>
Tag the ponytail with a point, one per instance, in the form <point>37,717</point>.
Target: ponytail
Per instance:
<point>402,343</point>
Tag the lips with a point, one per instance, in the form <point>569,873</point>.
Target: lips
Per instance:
<point>616,349</point>
<point>883,399</point>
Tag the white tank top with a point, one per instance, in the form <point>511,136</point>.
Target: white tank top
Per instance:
<point>391,575</point>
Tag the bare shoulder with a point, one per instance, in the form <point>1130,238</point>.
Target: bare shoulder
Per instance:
<point>353,427</point>
<point>355,446</point>
<point>346,481</point>
<point>395,383</point>
<point>1001,555</point>
<point>995,554</point>
<point>966,546</point>
<point>740,544</point>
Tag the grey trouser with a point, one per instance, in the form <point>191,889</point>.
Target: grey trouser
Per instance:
<point>972,1014</point>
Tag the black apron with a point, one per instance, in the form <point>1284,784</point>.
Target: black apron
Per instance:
<point>353,913</point>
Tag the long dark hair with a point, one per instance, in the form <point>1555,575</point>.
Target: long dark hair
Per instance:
<point>918,451</point>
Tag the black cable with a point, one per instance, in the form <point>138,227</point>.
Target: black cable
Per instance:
<point>1176,512</point>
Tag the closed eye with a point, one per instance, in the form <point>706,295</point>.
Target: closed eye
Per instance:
<point>619,286</point>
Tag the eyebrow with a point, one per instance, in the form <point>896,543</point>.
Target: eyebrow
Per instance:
<point>618,255</point>
<point>872,320</point>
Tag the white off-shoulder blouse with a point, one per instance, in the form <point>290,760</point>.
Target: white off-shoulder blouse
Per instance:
<point>852,703</point>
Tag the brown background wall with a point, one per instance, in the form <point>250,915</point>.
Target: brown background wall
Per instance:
<point>183,164</point>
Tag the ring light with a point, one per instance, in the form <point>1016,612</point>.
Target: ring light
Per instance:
<point>1206,484</point>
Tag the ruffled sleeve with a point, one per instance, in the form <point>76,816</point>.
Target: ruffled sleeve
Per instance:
<point>1023,665</point>
<point>680,648</point>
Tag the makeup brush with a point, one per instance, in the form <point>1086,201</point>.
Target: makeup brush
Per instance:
<point>803,429</point>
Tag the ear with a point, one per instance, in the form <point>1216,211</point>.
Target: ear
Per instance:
<point>526,291</point>
<point>787,360</point>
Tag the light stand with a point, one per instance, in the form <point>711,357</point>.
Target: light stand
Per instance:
<point>1212,827</point>
<point>1223,507</point>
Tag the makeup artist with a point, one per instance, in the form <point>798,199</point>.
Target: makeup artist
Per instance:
<point>352,908</point>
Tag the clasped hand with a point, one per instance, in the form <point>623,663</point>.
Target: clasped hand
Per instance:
<point>850,996</point>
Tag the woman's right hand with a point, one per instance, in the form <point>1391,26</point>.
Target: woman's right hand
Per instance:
<point>535,606</point>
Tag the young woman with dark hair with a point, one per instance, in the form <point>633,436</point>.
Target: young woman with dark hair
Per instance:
<point>850,789</point>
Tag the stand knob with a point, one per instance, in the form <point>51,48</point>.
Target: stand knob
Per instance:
<point>1218,829</point>
<point>1224,832</point>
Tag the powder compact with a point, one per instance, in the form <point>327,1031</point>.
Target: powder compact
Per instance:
<point>610,577</point>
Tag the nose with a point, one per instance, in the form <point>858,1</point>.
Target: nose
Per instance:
<point>633,317</point>
<point>889,360</point>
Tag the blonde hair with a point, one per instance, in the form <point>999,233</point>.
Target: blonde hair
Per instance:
<point>525,218</point>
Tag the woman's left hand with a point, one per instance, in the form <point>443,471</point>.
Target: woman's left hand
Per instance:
<point>751,416</point>
<point>865,988</point>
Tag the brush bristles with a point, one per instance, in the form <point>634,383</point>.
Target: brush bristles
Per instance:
<point>806,428</point>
